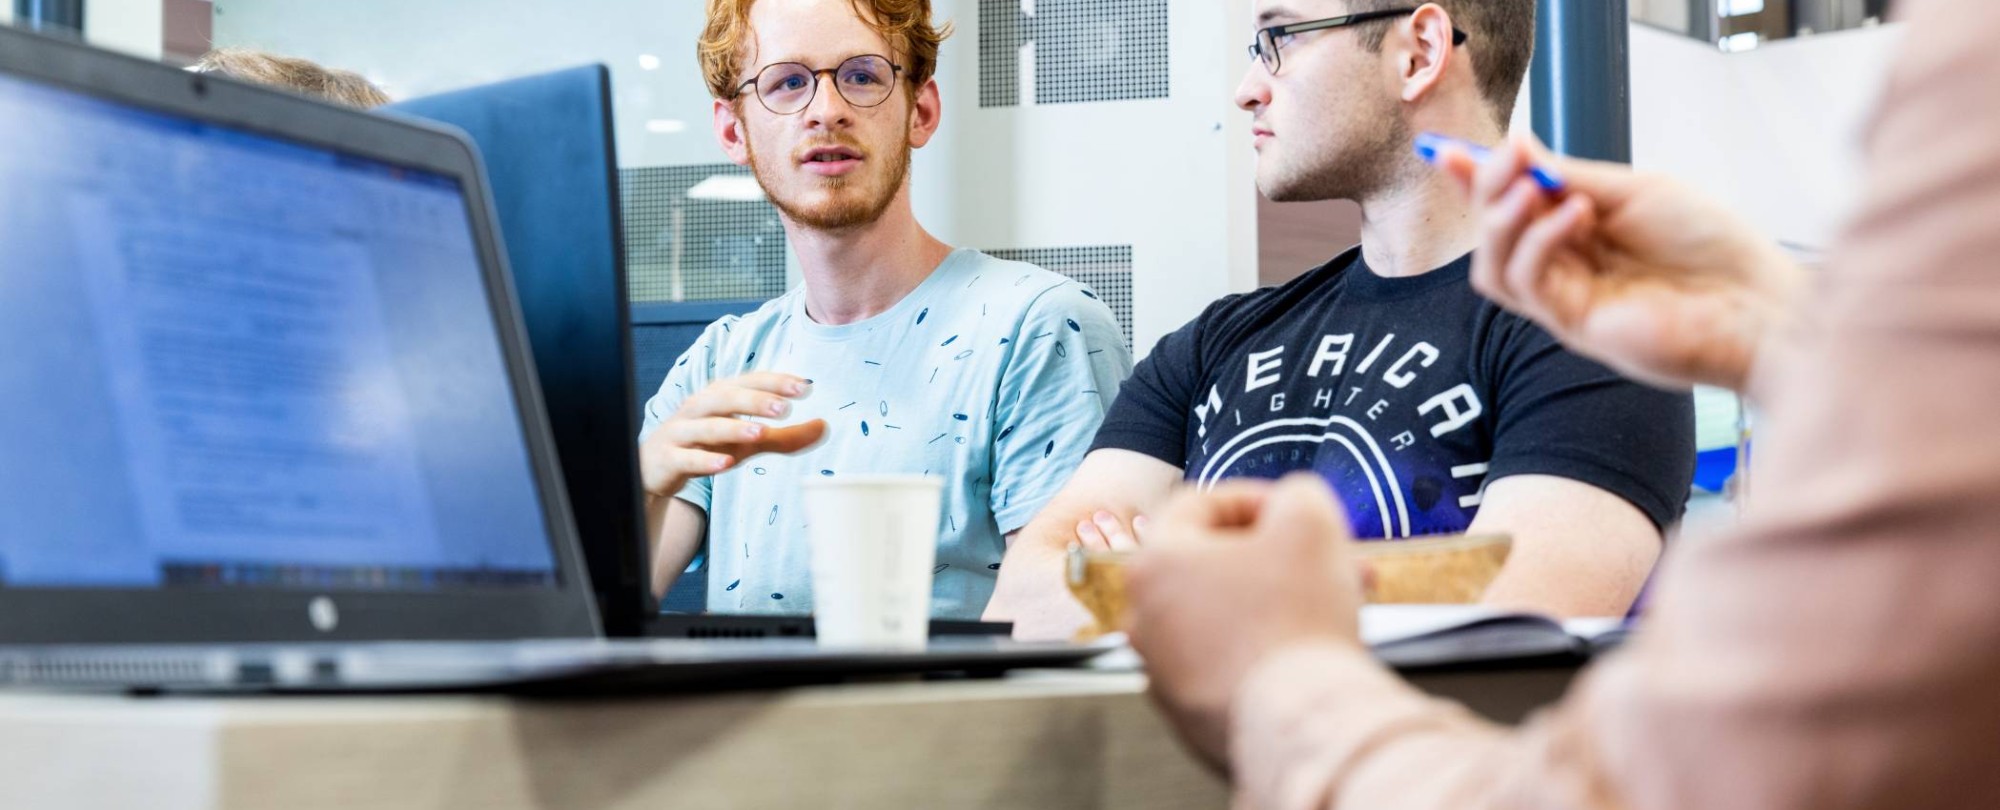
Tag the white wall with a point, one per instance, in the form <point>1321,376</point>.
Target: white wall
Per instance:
<point>1172,177</point>
<point>6,12</point>
<point>132,26</point>
<point>414,48</point>
<point>1773,132</point>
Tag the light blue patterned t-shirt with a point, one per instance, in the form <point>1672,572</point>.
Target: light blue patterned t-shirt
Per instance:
<point>992,375</point>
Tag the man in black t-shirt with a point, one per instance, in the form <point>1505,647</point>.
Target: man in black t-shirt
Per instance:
<point>1428,409</point>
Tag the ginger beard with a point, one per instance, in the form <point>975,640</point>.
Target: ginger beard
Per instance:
<point>833,203</point>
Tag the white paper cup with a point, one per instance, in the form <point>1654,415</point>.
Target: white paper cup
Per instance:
<point>874,542</point>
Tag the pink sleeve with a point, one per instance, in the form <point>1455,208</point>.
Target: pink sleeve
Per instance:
<point>1841,649</point>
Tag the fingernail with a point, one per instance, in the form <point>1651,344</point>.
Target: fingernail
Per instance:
<point>720,464</point>
<point>1141,522</point>
<point>776,409</point>
<point>753,431</point>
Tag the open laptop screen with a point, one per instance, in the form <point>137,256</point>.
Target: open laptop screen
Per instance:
<point>233,361</point>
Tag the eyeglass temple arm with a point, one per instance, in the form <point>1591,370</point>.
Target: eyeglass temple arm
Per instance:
<point>1458,36</point>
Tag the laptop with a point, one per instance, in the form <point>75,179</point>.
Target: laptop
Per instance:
<point>551,156</point>
<point>552,167</point>
<point>272,417</point>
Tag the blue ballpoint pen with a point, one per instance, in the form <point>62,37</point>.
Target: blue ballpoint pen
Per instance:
<point>1430,144</point>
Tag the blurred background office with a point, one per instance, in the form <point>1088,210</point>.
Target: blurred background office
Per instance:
<point>1097,138</point>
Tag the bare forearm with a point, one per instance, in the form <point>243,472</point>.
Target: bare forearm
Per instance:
<point>1579,551</point>
<point>1602,582</point>
<point>675,529</point>
<point>1031,591</point>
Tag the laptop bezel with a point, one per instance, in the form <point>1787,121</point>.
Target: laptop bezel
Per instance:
<point>604,479</point>
<point>236,614</point>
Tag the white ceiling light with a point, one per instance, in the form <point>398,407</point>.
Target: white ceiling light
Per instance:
<point>648,61</point>
<point>666,126</point>
<point>727,188</point>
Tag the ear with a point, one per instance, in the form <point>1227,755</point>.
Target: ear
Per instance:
<point>731,132</point>
<point>926,115</point>
<point>1426,52</point>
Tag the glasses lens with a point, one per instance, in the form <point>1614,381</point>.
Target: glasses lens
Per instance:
<point>866,81</point>
<point>1267,49</point>
<point>786,88</point>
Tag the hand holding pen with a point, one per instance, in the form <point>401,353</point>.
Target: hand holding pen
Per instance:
<point>1634,270</point>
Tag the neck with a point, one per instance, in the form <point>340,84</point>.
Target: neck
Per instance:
<point>1421,224</point>
<point>854,274</point>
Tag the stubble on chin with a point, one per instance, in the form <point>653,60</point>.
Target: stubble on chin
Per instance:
<point>1372,161</point>
<point>845,204</point>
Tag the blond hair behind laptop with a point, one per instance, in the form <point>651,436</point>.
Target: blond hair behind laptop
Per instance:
<point>298,75</point>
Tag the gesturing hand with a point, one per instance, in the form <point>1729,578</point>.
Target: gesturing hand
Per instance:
<point>709,435</point>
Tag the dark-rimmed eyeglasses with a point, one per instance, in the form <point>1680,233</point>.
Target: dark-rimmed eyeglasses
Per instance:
<point>1265,49</point>
<point>786,88</point>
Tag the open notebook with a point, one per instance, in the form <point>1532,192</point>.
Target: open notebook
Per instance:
<point>1410,636</point>
<point>1430,636</point>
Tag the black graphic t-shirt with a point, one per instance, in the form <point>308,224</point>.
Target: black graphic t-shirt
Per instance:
<point>1407,395</point>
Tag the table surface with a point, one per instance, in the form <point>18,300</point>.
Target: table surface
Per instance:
<point>1069,739</point>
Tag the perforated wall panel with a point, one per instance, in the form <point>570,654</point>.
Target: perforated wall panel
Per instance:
<point>679,249</point>
<point>1003,29</point>
<point>1085,50</point>
<point>1105,269</point>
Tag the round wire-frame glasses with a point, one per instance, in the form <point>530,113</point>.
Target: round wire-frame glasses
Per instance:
<point>787,88</point>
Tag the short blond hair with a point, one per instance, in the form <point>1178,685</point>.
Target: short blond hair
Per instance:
<point>292,73</point>
<point>906,24</point>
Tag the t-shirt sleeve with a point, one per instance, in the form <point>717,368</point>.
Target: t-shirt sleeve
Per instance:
<point>1150,416</point>
<point>692,372</point>
<point>1068,362</point>
<point>1564,415</point>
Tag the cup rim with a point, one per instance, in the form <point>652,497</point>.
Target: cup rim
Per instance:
<point>874,480</point>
